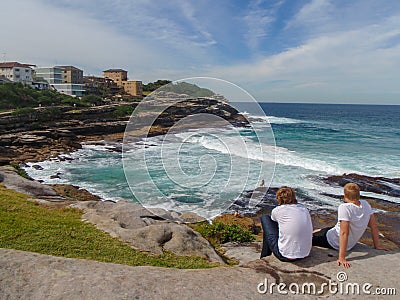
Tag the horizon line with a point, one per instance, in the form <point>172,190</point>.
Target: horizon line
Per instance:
<point>324,103</point>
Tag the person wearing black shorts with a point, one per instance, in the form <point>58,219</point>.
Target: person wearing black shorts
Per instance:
<point>319,238</point>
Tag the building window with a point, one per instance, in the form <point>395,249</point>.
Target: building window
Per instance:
<point>16,70</point>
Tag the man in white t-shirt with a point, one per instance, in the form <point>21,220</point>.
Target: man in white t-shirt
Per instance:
<point>288,232</point>
<point>353,218</point>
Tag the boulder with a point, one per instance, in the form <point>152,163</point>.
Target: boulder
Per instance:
<point>378,185</point>
<point>74,192</point>
<point>154,231</point>
<point>12,180</point>
<point>190,217</point>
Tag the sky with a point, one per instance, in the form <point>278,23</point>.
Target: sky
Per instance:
<point>316,51</point>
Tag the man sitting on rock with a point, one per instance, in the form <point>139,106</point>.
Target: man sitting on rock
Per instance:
<point>288,231</point>
<point>353,218</point>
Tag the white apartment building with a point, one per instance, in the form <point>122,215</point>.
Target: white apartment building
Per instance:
<point>17,72</point>
<point>71,89</point>
<point>51,75</point>
<point>54,76</point>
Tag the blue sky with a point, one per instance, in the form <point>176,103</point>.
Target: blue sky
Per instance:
<point>280,51</point>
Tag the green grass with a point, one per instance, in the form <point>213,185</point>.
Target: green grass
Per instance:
<point>28,226</point>
<point>219,233</point>
<point>21,172</point>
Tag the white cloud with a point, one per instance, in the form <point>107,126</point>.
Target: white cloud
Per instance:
<point>348,64</point>
<point>312,13</point>
<point>189,12</point>
<point>48,35</point>
<point>258,21</point>
<point>357,57</point>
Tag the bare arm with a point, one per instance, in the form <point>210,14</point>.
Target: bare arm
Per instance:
<point>375,233</point>
<point>343,240</point>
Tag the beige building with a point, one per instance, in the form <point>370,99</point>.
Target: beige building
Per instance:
<point>132,87</point>
<point>71,74</point>
<point>120,77</point>
<point>117,75</point>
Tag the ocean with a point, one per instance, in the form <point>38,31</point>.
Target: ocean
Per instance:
<point>204,171</point>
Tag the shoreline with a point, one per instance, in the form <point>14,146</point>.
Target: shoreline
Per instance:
<point>46,144</point>
<point>387,212</point>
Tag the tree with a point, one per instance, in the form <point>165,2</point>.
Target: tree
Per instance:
<point>152,86</point>
<point>92,99</point>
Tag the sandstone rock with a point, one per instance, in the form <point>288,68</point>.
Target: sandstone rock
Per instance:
<point>378,185</point>
<point>74,192</point>
<point>26,275</point>
<point>37,167</point>
<point>153,231</point>
<point>13,181</point>
<point>190,217</point>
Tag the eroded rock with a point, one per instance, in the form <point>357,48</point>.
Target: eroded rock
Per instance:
<point>144,230</point>
<point>12,180</point>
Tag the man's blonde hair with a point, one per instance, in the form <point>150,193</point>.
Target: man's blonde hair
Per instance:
<point>286,195</point>
<point>352,191</point>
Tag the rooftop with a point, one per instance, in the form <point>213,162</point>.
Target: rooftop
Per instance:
<point>68,67</point>
<point>13,64</point>
<point>115,70</point>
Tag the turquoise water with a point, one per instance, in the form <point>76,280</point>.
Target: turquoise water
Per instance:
<point>312,141</point>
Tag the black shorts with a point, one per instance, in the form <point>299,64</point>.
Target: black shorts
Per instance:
<point>319,238</point>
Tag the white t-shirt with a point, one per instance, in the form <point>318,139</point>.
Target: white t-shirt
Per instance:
<point>358,216</point>
<point>295,230</point>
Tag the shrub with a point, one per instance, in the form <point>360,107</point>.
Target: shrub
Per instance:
<point>92,99</point>
<point>23,111</point>
<point>16,95</point>
<point>220,233</point>
<point>50,114</point>
<point>123,111</point>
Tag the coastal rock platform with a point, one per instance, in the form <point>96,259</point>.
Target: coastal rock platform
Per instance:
<point>154,231</point>
<point>29,275</point>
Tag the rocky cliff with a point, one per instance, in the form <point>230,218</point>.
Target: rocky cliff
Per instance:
<point>41,133</point>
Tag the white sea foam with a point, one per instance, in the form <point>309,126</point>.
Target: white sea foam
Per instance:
<point>293,168</point>
<point>272,119</point>
<point>269,153</point>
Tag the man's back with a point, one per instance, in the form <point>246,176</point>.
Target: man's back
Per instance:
<point>358,216</point>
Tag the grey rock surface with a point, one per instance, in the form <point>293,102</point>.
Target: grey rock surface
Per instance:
<point>12,180</point>
<point>144,230</point>
<point>378,268</point>
<point>26,275</point>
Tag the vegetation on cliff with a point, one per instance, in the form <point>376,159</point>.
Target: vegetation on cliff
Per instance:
<point>28,226</point>
<point>219,233</point>
<point>189,89</point>
<point>152,86</point>
<point>16,95</point>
